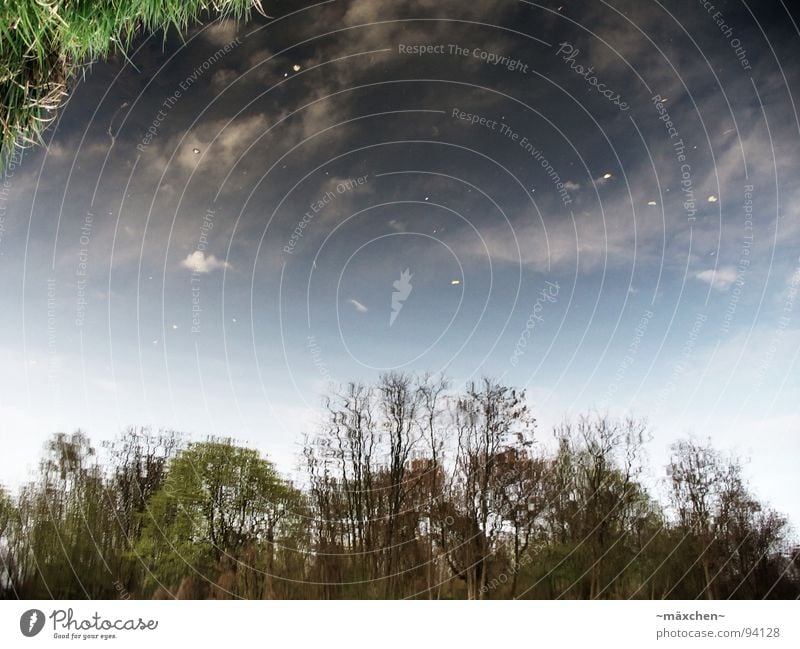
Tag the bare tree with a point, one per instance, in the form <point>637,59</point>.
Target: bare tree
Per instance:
<point>485,419</point>
<point>605,463</point>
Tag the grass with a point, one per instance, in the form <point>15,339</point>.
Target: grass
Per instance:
<point>44,44</point>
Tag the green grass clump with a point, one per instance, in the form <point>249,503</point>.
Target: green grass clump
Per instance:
<point>44,43</point>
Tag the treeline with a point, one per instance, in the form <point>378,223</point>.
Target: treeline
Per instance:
<point>409,491</point>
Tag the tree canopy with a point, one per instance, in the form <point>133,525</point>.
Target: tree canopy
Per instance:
<point>409,489</point>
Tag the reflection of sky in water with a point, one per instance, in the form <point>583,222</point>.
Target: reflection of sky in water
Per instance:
<point>217,233</point>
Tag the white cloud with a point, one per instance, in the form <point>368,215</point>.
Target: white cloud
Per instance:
<point>223,77</point>
<point>198,262</point>
<point>794,278</point>
<point>359,307</point>
<point>221,32</point>
<point>222,143</point>
<point>720,279</point>
<point>105,384</point>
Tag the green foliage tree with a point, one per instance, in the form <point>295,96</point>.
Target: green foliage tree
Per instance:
<point>218,501</point>
<point>8,527</point>
<point>412,490</point>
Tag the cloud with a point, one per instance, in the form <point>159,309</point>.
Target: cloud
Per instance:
<point>222,32</point>
<point>230,138</point>
<point>223,77</point>
<point>720,279</point>
<point>588,243</point>
<point>198,262</point>
<point>358,306</point>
